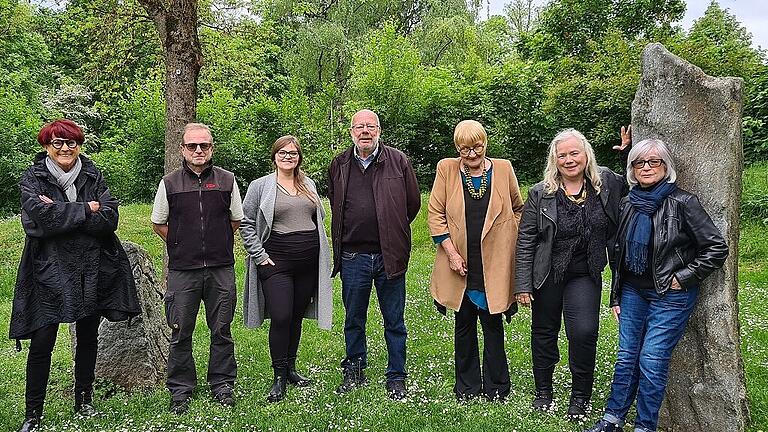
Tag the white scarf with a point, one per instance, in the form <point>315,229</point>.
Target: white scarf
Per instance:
<point>65,179</point>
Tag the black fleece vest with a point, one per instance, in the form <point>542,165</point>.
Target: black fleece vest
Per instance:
<point>199,229</point>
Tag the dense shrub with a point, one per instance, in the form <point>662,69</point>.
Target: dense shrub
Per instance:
<point>19,124</point>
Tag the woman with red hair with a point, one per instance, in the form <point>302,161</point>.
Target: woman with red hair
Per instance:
<point>73,268</point>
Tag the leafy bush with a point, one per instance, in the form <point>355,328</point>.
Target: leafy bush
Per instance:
<point>19,125</point>
<point>133,148</point>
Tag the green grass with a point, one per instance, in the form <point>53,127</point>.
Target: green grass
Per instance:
<point>430,406</point>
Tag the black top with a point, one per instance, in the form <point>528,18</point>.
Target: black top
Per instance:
<point>360,232</point>
<point>474,213</point>
<point>579,244</point>
<point>640,281</point>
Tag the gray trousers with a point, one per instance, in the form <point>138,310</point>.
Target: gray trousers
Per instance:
<point>186,288</point>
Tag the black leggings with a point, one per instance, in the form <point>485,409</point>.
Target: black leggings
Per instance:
<point>39,361</point>
<point>577,299</point>
<point>288,288</point>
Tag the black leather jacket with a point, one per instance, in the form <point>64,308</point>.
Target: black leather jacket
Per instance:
<point>686,244</point>
<point>538,225</point>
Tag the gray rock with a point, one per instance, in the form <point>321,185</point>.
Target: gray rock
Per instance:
<point>136,356</point>
<point>699,117</point>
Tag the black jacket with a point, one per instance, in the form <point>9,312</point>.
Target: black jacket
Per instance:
<point>539,224</point>
<point>73,265</point>
<point>686,244</point>
<point>397,198</point>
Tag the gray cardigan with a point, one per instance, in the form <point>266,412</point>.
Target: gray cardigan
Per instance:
<point>259,208</point>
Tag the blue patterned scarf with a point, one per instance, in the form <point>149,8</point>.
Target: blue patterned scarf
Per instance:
<point>645,202</point>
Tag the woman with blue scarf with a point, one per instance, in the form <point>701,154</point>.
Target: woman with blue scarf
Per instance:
<point>666,245</point>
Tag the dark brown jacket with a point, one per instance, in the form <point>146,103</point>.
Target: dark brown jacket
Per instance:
<point>397,198</point>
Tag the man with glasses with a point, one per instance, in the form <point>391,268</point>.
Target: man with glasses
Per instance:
<point>374,197</point>
<point>196,211</point>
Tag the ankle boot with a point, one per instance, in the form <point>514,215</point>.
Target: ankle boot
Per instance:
<point>294,377</point>
<point>577,408</point>
<point>277,392</point>
<point>542,378</point>
<point>31,421</point>
<point>84,403</point>
<point>543,400</point>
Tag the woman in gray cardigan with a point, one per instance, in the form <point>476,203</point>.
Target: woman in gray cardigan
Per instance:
<point>288,265</point>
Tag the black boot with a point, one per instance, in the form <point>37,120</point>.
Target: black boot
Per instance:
<point>84,403</point>
<point>354,376</point>
<point>31,421</point>
<point>542,377</point>
<point>277,392</point>
<point>543,400</point>
<point>294,377</point>
<point>577,408</point>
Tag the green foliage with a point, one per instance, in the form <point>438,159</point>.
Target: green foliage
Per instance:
<point>132,155</point>
<point>303,67</point>
<point>246,61</point>
<point>519,129</point>
<point>19,124</point>
<point>571,27</point>
<point>107,46</point>
<point>23,53</point>
<point>417,106</point>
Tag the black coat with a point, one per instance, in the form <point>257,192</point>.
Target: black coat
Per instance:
<point>538,226</point>
<point>686,244</point>
<point>73,265</point>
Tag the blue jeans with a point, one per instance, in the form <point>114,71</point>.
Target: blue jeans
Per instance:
<point>650,325</point>
<point>358,272</point>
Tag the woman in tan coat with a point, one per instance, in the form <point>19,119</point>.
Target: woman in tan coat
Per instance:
<point>474,211</point>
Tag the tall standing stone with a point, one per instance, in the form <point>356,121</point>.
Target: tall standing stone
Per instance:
<point>699,117</point>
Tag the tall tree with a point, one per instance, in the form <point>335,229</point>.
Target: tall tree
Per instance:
<point>176,23</point>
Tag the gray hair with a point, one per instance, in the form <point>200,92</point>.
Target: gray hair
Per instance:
<point>643,148</point>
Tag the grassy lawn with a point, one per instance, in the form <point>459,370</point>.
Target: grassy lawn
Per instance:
<point>430,406</point>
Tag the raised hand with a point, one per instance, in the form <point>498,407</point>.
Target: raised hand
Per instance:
<point>626,138</point>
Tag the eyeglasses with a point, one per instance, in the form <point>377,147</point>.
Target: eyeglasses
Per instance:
<point>653,163</point>
<point>59,143</point>
<point>193,146</point>
<point>360,127</point>
<point>464,151</point>
<point>282,154</point>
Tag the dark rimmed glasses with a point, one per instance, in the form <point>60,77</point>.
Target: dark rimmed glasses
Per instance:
<point>58,143</point>
<point>464,151</point>
<point>204,146</point>
<point>283,155</point>
<point>653,163</point>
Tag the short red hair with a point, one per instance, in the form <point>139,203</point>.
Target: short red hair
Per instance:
<point>62,128</point>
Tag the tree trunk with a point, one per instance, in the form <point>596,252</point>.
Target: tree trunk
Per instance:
<point>699,117</point>
<point>176,23</point>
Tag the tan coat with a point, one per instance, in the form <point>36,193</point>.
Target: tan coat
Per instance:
<point>499,235</point>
